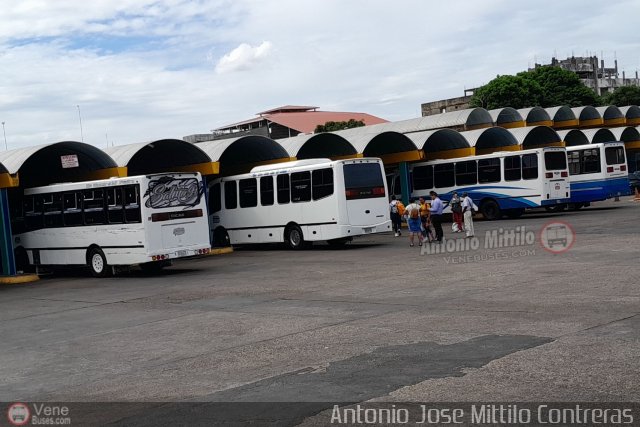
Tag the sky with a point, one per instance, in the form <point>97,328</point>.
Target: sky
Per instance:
<point>113,72</point>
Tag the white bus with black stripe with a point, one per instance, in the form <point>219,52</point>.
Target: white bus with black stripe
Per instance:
<point>300,202</point>
<point>146,220</point>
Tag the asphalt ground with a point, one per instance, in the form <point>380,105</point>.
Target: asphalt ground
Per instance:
<point>376,320</point>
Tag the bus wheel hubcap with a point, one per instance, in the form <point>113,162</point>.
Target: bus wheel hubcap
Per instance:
<point>295,238</point>
<point>97,263</point>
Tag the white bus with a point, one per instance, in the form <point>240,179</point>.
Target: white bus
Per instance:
<point>300,202</point>
<point>505,182</point>
<point>146,220</point>
<point>598,172</point>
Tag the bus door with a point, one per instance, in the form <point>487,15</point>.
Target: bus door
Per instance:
<point>556,183</point>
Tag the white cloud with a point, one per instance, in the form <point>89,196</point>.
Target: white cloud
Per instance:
<point>243,57</point>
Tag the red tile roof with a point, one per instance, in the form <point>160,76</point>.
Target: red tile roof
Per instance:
<point>306,121</point>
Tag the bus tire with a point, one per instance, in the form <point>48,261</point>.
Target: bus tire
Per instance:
<point>97,262</point>
<point>490,209</point>
<point>221,238</point>
<point>22,260</point>
<point>293,237</point>
<point>514,213</point>
<point>339,242</point>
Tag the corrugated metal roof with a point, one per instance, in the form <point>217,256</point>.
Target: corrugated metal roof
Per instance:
<point>586,112</point>
<point>505,115</point>
<point>573,137</point>
<point>561,113</point>
<point>438,140</point>
<point>630,111</point>
<point>490,137</point>
<point>326,144</point>
<point>610,112</point>
<point>269,149</point>
<point>534,114</point>
<point>288,107</point>
<point>626,134</point>
<point>535,135</point>
<point>295,143</point>
<point>599,135</point>
<point>123,154</point>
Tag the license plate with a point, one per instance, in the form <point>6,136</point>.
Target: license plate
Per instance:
<point>367,230</point>
<point>182,253</point>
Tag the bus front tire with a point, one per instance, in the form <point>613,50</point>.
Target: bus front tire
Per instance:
<point>97,262</point>
<point>22,260</point>
<point>293,237</point>
<point>490,209</point>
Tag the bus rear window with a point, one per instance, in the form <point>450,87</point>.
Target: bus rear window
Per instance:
<point>555,160</point>
<point>614,155</point>
<point>363,180</point>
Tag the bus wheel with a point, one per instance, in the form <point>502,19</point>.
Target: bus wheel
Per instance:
<point>339,242</point>
<point>514,213</point>
<point>293,237</point>
<point>97,262</point>
<point>22,260</point>
<point>490,209</point>
<point>221,238</point>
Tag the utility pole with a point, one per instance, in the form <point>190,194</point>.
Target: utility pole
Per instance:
<point>80,118</point>
<point>5,137</point>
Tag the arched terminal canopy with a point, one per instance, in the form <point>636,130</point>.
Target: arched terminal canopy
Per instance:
<point>441,143</point>
<point>611,115</point>
<point>573,137</point>
<point>490,140</point>
<point>588,116</point>
<point>563,117</point>
<point>319,145</point>
<point>507,117</point>
<point>239,155</point>
<point>65,161</point>
<point>631,114</point>
<point>391,147</point>
<point>596,136</point>
<point>536,137</point>
<point>629,135</point>
<point>165,155</point>
<point>535,116</point>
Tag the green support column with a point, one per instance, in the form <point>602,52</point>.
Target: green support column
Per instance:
<point>6,239</point>
<point>403,169</point>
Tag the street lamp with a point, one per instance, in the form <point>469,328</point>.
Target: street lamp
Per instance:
<point>5,137</point>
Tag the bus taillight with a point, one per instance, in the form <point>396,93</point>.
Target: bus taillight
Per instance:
<point>378,191</point>
<point>564,174</point>
<point>549,174</point>
<point>623,167</point>
<point>610,169</point>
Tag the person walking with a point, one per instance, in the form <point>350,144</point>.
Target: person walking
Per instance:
<point>468,207</point>
<point>396,209</point>
<point>436,215</point>
<point>456,210</point>
<point>412,212</point>
<point>425,220</point>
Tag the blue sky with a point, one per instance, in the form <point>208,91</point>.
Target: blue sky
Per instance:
<point>143,69</point>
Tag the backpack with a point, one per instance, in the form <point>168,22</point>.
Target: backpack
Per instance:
<point>415,212</point>
<point>394,207</point>
<point>400,208</point>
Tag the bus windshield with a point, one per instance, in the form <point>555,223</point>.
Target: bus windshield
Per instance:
<point>363,180</point>
<point>555,160</point>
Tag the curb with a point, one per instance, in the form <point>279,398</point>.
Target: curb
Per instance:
<point>19,278</point>
<point>220,251</point>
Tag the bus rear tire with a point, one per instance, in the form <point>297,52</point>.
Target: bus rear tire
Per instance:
<point>97,262</point>
<point>490,209</point>
<point>293,237</point>
<point>221,238</point>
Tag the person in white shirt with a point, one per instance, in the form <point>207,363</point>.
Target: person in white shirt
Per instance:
<point>468,207</point>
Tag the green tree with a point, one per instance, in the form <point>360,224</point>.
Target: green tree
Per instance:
<point>334,126</point>
<point>625,95</point>
<point>546,86</point>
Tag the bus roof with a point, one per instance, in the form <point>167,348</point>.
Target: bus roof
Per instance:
<point>492,155</point>
<point>288,165</point>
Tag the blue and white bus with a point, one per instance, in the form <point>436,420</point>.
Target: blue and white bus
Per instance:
<point>598,172</point>
<point>501,183</point>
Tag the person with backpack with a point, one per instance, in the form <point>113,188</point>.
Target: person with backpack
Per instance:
<point>456,210</point>
<point>396,209</point>
<point>412,212</point>
<point>425,219</point>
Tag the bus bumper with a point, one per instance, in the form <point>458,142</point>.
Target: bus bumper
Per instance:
<point>356,230</point>
<point>554,202</point>
<point>174,253</point>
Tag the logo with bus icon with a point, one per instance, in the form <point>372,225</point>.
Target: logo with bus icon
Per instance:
<point>557,237</point>
<point>18,414</point>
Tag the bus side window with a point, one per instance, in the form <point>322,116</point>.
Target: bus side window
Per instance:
<point>266,191</point>
<point>574,162</point>
<point>93,201</point>
<point>467,173</point>
<point>443,175</point>
<point>422,178</point>
<point>215,198</point>
<point>283,189</point>
<point>53,210</point>
<point>489,170</point>
<point>300,187</point>
<point>530,166</point>
<point>230,195</point>
<point>72,205</point>
<point>248,192</point>
<point>132,204</point>
<point>512,168</point>
<point>321,183</point>
<point>115,207</point>
<point>33,212</point>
